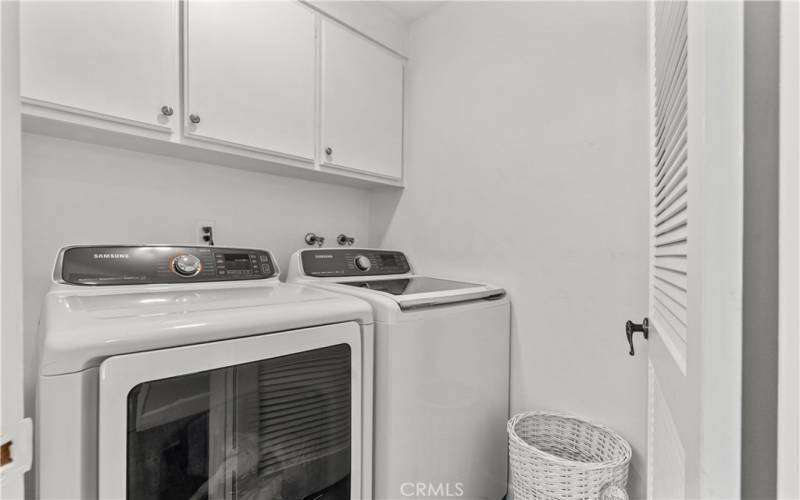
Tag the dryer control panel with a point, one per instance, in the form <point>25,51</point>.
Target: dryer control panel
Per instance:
<point>142,265</point>
<point>336,262</point>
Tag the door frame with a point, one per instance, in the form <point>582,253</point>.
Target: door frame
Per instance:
<point>15,430</point>
<point>789,260</point>
<point>119,374</point>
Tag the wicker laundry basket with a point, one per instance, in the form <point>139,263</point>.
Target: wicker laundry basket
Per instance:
<point>560,456</point>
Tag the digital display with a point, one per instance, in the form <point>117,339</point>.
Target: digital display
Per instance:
<point>237,261</point>
<point>388,260</point>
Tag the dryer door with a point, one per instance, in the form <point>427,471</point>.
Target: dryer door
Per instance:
<point>271,416</point>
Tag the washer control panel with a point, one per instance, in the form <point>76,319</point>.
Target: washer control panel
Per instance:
<point>141,265</point>
<point>335,262</point>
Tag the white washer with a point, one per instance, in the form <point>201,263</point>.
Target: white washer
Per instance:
<point>441,373</point>
<point>192,372</point>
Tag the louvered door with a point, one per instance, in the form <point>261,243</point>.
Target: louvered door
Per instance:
<point>695,184</point>
<point>669,294</point>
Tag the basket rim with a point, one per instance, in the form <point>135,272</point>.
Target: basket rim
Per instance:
<point>622,460</point>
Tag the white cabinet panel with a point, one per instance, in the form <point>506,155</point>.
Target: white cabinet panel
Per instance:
<point>118,59</point>
<point>250,73</point>
<point>362,104</point>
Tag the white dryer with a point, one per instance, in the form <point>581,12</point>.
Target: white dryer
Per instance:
<point>441,373</point>
<point>192,372</point>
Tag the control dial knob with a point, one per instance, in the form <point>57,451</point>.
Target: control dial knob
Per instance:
<point>187,265</point>
<point>363,263</point>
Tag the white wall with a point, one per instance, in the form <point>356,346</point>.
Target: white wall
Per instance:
<point>527,166</point>
<point>789,235</point>
<point>371,18</point>
<point>76,193</point>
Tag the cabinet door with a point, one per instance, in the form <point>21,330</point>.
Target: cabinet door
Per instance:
<point>250,71</point>
<point>362,104</point>
<point>112,59</point>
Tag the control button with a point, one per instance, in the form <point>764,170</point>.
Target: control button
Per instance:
<point>265,268</point>
<point>264,258</point>
<point>187,265</point>
<point>363,263</point>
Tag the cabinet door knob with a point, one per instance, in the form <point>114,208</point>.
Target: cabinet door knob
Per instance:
<point>328,151</point>
<point>166,110</point>
<point>194,118</point>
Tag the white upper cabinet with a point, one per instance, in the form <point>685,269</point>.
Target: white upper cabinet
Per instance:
<point>250,75</point>
<point>106,59</point>
<point>362,104</point>
<point>259,84</point>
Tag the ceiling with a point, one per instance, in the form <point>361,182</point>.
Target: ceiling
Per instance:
<point>411,10</point>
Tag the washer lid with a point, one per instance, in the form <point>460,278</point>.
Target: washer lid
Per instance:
<point>423,291</point>
<point>81,326</point>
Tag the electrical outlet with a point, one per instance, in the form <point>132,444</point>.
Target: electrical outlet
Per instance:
<point>205,232</point>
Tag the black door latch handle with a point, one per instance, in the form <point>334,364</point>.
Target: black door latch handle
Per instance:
<point>631,328</point>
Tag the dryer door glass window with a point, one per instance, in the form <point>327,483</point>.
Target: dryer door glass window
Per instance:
<point>274,429</point>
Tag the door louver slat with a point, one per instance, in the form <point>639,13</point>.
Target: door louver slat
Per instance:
<point>675,237</point>
<point>676,250</point>
<point>673,229</point>
<point>671,51</point>
<point>677,198</point>
<point>672,144</point>
<point>667,320</point>
<point>670,163</point>
<point>670,98</point>
<point>675,295</point>
<point>674,100</point>
<point>676,62</point>
<point>676,210</point>
<point>675,313</point>
<point>664,16</point>
<point>668,185</point>
<point>671,262</point>
<point>673,278</point>
<point>672,296</point>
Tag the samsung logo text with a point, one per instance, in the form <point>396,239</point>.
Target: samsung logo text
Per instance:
<point>111,256</point>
